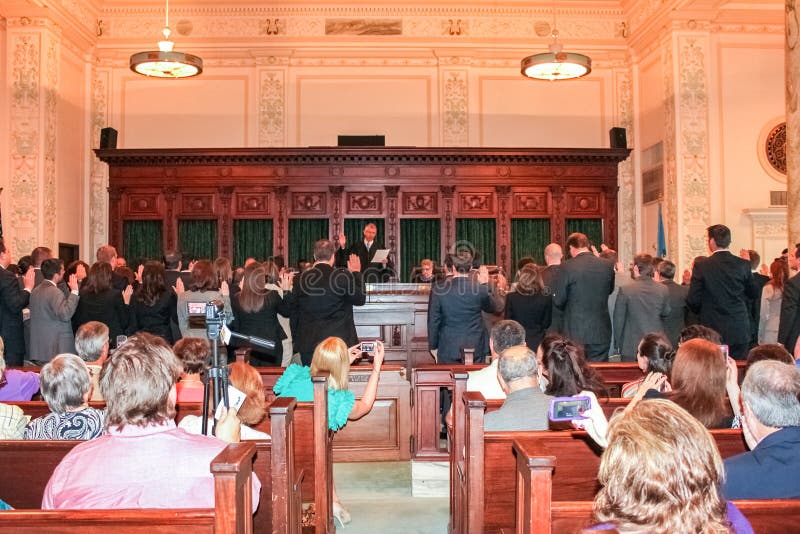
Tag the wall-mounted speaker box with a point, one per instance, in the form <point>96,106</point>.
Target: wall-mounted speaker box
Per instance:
<point>108,138</point>
<point>618,138</point>
<point>362,140</point>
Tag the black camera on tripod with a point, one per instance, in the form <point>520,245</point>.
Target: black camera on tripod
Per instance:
<point>215,318</point>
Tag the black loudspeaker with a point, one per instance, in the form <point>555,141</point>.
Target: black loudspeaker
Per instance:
<point>618,138</point>
<point>362,140</point>
<point>108,138</point>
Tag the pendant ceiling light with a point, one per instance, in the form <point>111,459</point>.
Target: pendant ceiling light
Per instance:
<point>556,64</point>
<point>164,63</point>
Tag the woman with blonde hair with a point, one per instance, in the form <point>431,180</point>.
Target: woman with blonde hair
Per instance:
<point>661,474</point>
<point>333,356</point>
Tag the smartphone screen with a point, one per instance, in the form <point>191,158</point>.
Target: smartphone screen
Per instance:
<point>568,408</point>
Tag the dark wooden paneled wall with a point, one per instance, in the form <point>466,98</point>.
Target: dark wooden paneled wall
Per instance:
<point>336,183</point>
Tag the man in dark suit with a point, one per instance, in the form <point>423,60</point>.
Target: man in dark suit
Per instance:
<point>51,312</point>
<point>38,255</point>
<point>455,321</point>
<point>12,301</point>
<point>721,290</point>
<point>550,275</point>
<point>172,265</point>
<point>789,327</point>
<point>365,250</point>
<point>640,309</point>
<point>582,293</point>
<point>771,422</point>
<point>324,297</point>
<point>676,320</point>
<point>108,254</point>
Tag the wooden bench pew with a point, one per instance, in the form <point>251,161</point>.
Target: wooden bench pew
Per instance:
<point>484,493</point>
<point>310,437</point>
<point>544,507</point>
<point>232,513</point>
<point>35,460</point>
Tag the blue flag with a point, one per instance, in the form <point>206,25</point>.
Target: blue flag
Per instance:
<point>662,240</point>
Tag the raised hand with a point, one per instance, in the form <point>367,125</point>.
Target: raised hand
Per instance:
<point>29,279</point>
<point>354,264</point>
<point>72,282</point>
<point>224,289</point>
<point>126,294</point>
<point>178,287</point>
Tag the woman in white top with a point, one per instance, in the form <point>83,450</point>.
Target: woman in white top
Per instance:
<point>771,298</point>
<point>253,410</point>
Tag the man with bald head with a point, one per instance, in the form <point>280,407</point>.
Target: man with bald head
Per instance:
<point>525,407</point>
<point>550,275</point>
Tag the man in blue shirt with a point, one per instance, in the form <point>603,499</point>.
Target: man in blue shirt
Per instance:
<point>771,470</point>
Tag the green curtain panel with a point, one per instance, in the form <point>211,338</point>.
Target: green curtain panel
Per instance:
<point>142,241</point>
<point>528,238</point>
<point>252,238</point>
<point>354,229</point>
<point>419,239</point>
<point>593,228</point>
<point>198,239</point>
<point>480,234</point>
<point>303,233</point>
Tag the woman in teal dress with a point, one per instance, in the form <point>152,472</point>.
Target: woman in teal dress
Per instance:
<point>333,356</point>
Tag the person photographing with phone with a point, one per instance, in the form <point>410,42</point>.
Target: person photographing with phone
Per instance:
<point>333,356</point>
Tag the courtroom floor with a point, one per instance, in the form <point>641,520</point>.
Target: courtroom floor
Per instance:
<point>378,496</point>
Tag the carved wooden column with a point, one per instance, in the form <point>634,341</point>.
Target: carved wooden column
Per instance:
<point>280,239</point>
<point>115,217</point>
<point>392,228</point>
<point>224,221</point>
<point>557,222</point>
<point>336,208</point>
<point>449,230</point>
<point>170,237</point>
<point>610,237</point>
<point>504,223</point>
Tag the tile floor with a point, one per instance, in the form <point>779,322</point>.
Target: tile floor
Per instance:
<point>378,496</point>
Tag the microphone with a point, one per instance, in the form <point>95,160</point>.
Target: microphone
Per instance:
<point>227,334</point>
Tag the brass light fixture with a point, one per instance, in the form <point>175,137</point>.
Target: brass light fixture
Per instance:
<point>556,64</point>
<point>164,62</point>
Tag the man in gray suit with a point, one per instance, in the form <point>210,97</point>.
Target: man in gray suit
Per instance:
<point>640,309</point>
<point>51,312</point>
<point>583,288</point>
<point>676,320</point>
<point>525,407</point>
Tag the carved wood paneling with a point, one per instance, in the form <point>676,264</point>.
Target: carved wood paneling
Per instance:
<point>310,203</point>
<point>477,203</point>
<point>584,203</point>
<point>197,205</point>
<point>142,205</point>
<point>332,183</point>
<point>420,203</point>
<point>531,204</point>
<point>366,203</point>
<point>251,205</point>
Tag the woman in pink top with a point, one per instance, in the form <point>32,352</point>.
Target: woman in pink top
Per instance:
<point>193,352</point>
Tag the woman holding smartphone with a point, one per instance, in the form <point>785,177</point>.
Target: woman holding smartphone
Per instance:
<point>333,356</point>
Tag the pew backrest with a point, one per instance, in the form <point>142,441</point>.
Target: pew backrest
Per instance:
<point>232,513</point>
